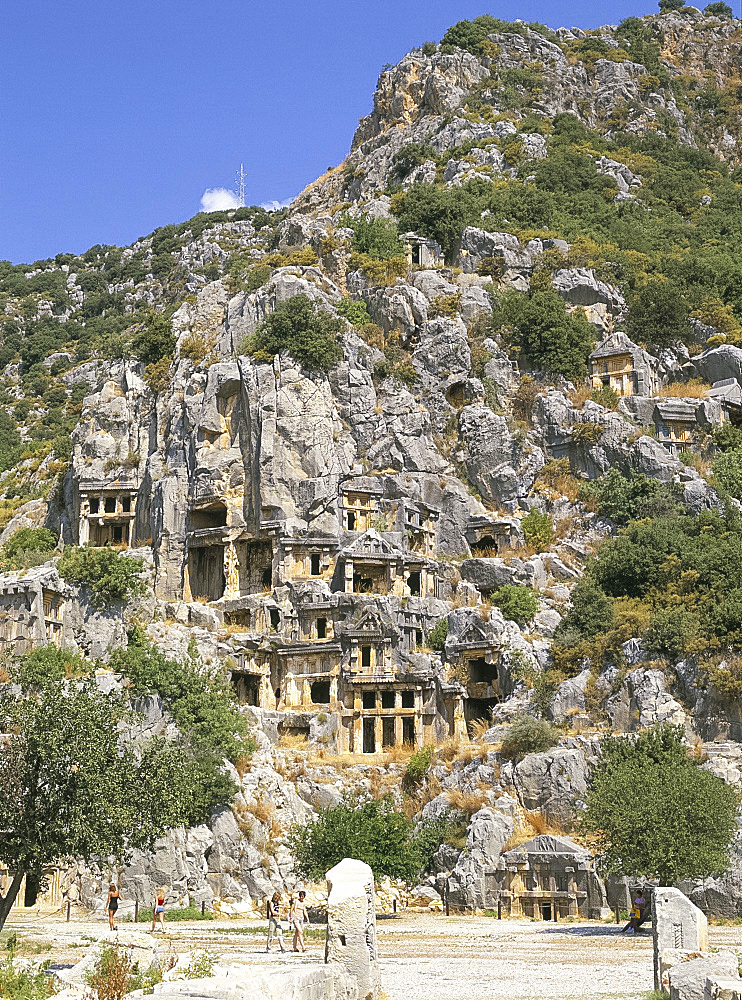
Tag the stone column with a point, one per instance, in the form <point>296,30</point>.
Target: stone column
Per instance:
<point>351,925</point>
<point>348,576</point>
<point>378,730</point>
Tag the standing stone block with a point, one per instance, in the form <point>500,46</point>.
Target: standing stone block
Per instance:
<point>688,980</point>
<point>678,927</point>
<point>351,924</point>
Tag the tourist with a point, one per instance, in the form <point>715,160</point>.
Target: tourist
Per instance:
<point>637,913</point>
<point>298,916</point>
<point>274,921</point>
<point>112,904</point>
<point>159,908</point>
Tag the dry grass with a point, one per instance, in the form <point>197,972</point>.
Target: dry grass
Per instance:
<point>694,460</point>
<point>696,388</point>
<point>478,728</point>
<point>466,802</point>
<point>580,396</point>
<point>291,742</point>
<point>539,824</point>
<point>242,765</point>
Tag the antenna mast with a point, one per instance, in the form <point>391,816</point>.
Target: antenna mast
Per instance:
<point>240,178</point>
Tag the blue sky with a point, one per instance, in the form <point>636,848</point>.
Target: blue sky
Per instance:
<point>116,116</point>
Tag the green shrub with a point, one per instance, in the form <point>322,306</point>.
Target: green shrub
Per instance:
<point>528,735</point>
<point>24,982</point>
<point>354,311</point>
<point>109,575</point>
<point>605,396</point>
<point>418,765</point>
<point>472,35</point>
<point>668,5</point>
<point>719,10</point>
<point>518,604</point>
<point>301,327</point>
<point>591,614</point>
<point>438,634</point>
<point>49,665</point>
<point>378,238</point>
<point>538,530</point>
<point>429,48</point>
<point>727,437</point>
<point>154,340</point>
<point>29,540</point>
<point>440,213</point>
<point>672,632</point>
<point>629,498</point>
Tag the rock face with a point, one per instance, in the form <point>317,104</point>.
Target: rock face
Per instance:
<point>489,831</point>
<point>336,537</point>
<point>351,925</point>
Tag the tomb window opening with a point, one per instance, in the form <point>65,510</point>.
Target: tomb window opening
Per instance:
<point>369,700</point>
<point>314,560</point>
<point>387,699</point>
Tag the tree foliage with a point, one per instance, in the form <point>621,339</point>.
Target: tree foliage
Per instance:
<point>301,327</point>
<point>110,575</point>
<point>538,529</point>
<point>372,831</point>
<point>658,315</point>
<point>518,604</point>
<point>199,700</point>
<point>38,540</point>
<point>528,734</point>
<point>72,785</point>
<point>629,498</point>
<point>539,327</point>
<point>653,811</point>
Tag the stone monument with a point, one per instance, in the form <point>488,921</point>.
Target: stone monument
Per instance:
<point>351,924</point>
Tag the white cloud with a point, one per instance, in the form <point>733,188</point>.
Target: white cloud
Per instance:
<point>274,206</point>
<point>218,200</point>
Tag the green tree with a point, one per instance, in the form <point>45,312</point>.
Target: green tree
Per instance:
<point>591,614</point>
<point>719,10</point>
<point>655,812</point>
<point>727,472</point>
<point>299,326</point>
<point>154,339</point>
<point>518,604</point>
<point>658,315</point>
<point>376,237</point>
<point>199,700</point>
<point>71,786</point>
<point>668,5</point>
<point>110,575</point>
<point>541,329</point>
<point>629,498</point>
<point>373,832</point>
<point>440,213</point>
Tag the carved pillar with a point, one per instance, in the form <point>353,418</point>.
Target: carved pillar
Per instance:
<point>83,527</point>
<point>231,571</point>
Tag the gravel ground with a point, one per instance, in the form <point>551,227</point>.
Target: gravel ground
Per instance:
<point>422,956</point>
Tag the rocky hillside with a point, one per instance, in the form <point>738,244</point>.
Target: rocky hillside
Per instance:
<point>454,438</point>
